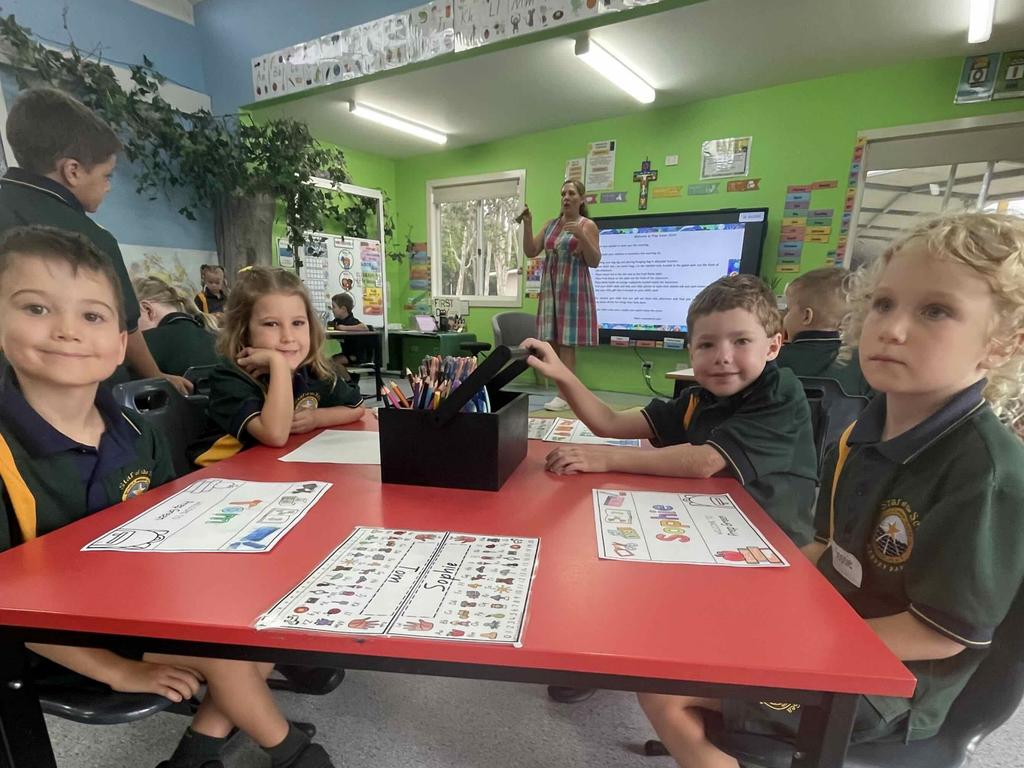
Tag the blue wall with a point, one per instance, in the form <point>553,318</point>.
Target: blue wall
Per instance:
<point>125,32</point>
<point>233,32</point>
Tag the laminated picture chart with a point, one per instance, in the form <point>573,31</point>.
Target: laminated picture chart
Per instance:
<point>440,585</point>
<point>573,431</point>
<point>216,515</point>
<point>690,528</point>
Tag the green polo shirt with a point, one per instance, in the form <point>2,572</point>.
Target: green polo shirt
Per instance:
<point>933,519</point>
<point>179,342</point>
<point>763,432</point>
<point>50,480</point>
<point>236,397</point>
<point>815,353</point>
<point>27,198</point>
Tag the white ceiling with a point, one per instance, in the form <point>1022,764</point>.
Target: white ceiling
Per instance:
<point>713,48</point>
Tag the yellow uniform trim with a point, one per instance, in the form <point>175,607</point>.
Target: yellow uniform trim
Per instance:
<point>690,408</point>
<point>22,500</point>
<point>203,300</point>
<point>224,448</point>
<point>844,451</point>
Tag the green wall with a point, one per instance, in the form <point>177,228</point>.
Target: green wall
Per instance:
<point>802,132</point>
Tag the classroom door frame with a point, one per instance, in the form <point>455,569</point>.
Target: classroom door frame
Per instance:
<point>376,194</point>
<point>916,130</point>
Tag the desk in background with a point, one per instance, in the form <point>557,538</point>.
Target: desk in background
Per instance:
<point>682,378</point>
<point>764,635</point>
<point>406,349</point>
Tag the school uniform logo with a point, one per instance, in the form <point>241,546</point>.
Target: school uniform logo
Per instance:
<point>307,401</point>
<point>136,483</point>
<point>780,706</point>
<point>893,539</point>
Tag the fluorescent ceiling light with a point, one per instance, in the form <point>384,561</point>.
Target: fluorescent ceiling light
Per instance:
<point>398,123</point>
<point>979,30</point>
<point>614,70</point>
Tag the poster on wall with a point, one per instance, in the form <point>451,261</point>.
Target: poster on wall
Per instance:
<point>1010,80</point>
<point>721,158</point>
<point>179,267</point>
<point>575,169</point>
<point>977,79</point>
<point>600,166</point>
<point>332,264</point>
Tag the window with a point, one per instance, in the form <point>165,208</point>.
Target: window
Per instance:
<point>6,156</point>
<point>475,242</point>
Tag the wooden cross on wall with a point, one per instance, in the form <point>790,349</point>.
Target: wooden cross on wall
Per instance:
<point>644,177</point>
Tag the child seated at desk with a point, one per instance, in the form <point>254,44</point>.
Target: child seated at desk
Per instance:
<point>178,335</point>
<point>815,308</point>
<point>918,520</point>
<point>747,417</point>
<point>357,350</point>
<point>273,380</point>
<point>67,450</point>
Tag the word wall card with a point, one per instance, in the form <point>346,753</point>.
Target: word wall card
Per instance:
<point>450,586</point>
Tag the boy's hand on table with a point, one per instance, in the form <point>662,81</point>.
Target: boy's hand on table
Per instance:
<point>571,459</point>
<point>174,683</point>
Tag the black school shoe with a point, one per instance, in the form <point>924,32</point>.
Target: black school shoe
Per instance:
<point>565,695</point>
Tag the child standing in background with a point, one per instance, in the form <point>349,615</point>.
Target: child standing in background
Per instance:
<point>178,335</point>
<point>918,519</point>
<point>274,380</point>
<point>214,296</point>
<point>815,308</point>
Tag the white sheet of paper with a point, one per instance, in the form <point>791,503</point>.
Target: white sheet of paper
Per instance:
<point>216,515</point>
<point>335,446</point>
<point>431,584</point>
<point>572,431</point>
<point>690,528</point>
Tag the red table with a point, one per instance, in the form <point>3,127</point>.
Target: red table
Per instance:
<point>772,635</point>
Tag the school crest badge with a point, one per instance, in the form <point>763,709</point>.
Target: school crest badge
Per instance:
<point>137,482</point>
<point>308,400</point>
<point>892,540</point>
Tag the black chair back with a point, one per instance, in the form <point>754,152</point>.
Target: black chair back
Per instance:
<point>162,406</point>
<point>200,375</point>
<point>832,411</point>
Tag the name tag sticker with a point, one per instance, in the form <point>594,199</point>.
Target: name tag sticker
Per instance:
<point>847,565</point>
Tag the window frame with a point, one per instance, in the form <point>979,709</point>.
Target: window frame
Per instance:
<point>434,235</point>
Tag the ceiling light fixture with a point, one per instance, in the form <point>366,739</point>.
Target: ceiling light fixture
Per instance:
<point>613,70</point>
<point>979,29</point>
<point>397,123</point>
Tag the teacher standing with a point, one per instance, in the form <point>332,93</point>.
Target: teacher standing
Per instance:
<point>567,312</point>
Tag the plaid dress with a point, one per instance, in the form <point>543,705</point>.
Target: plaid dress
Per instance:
<point>567,312</point>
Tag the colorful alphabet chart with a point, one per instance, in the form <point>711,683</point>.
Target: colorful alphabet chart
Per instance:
<point>572,431</point>
<point>216,515</point>
<point>450,586</point>
<point>690,528</point>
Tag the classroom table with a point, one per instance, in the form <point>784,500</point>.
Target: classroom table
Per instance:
<point>378,352</point>
<point>781,635</point>
<point>682,378</point>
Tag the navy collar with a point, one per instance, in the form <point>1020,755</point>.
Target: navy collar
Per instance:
<point>771,371</point>
<point>218,296</point>
<point>178,317</point>
<point>906,447</point>
<point>814,336</point>
<point>41,440</point>
<point>22,178</point>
